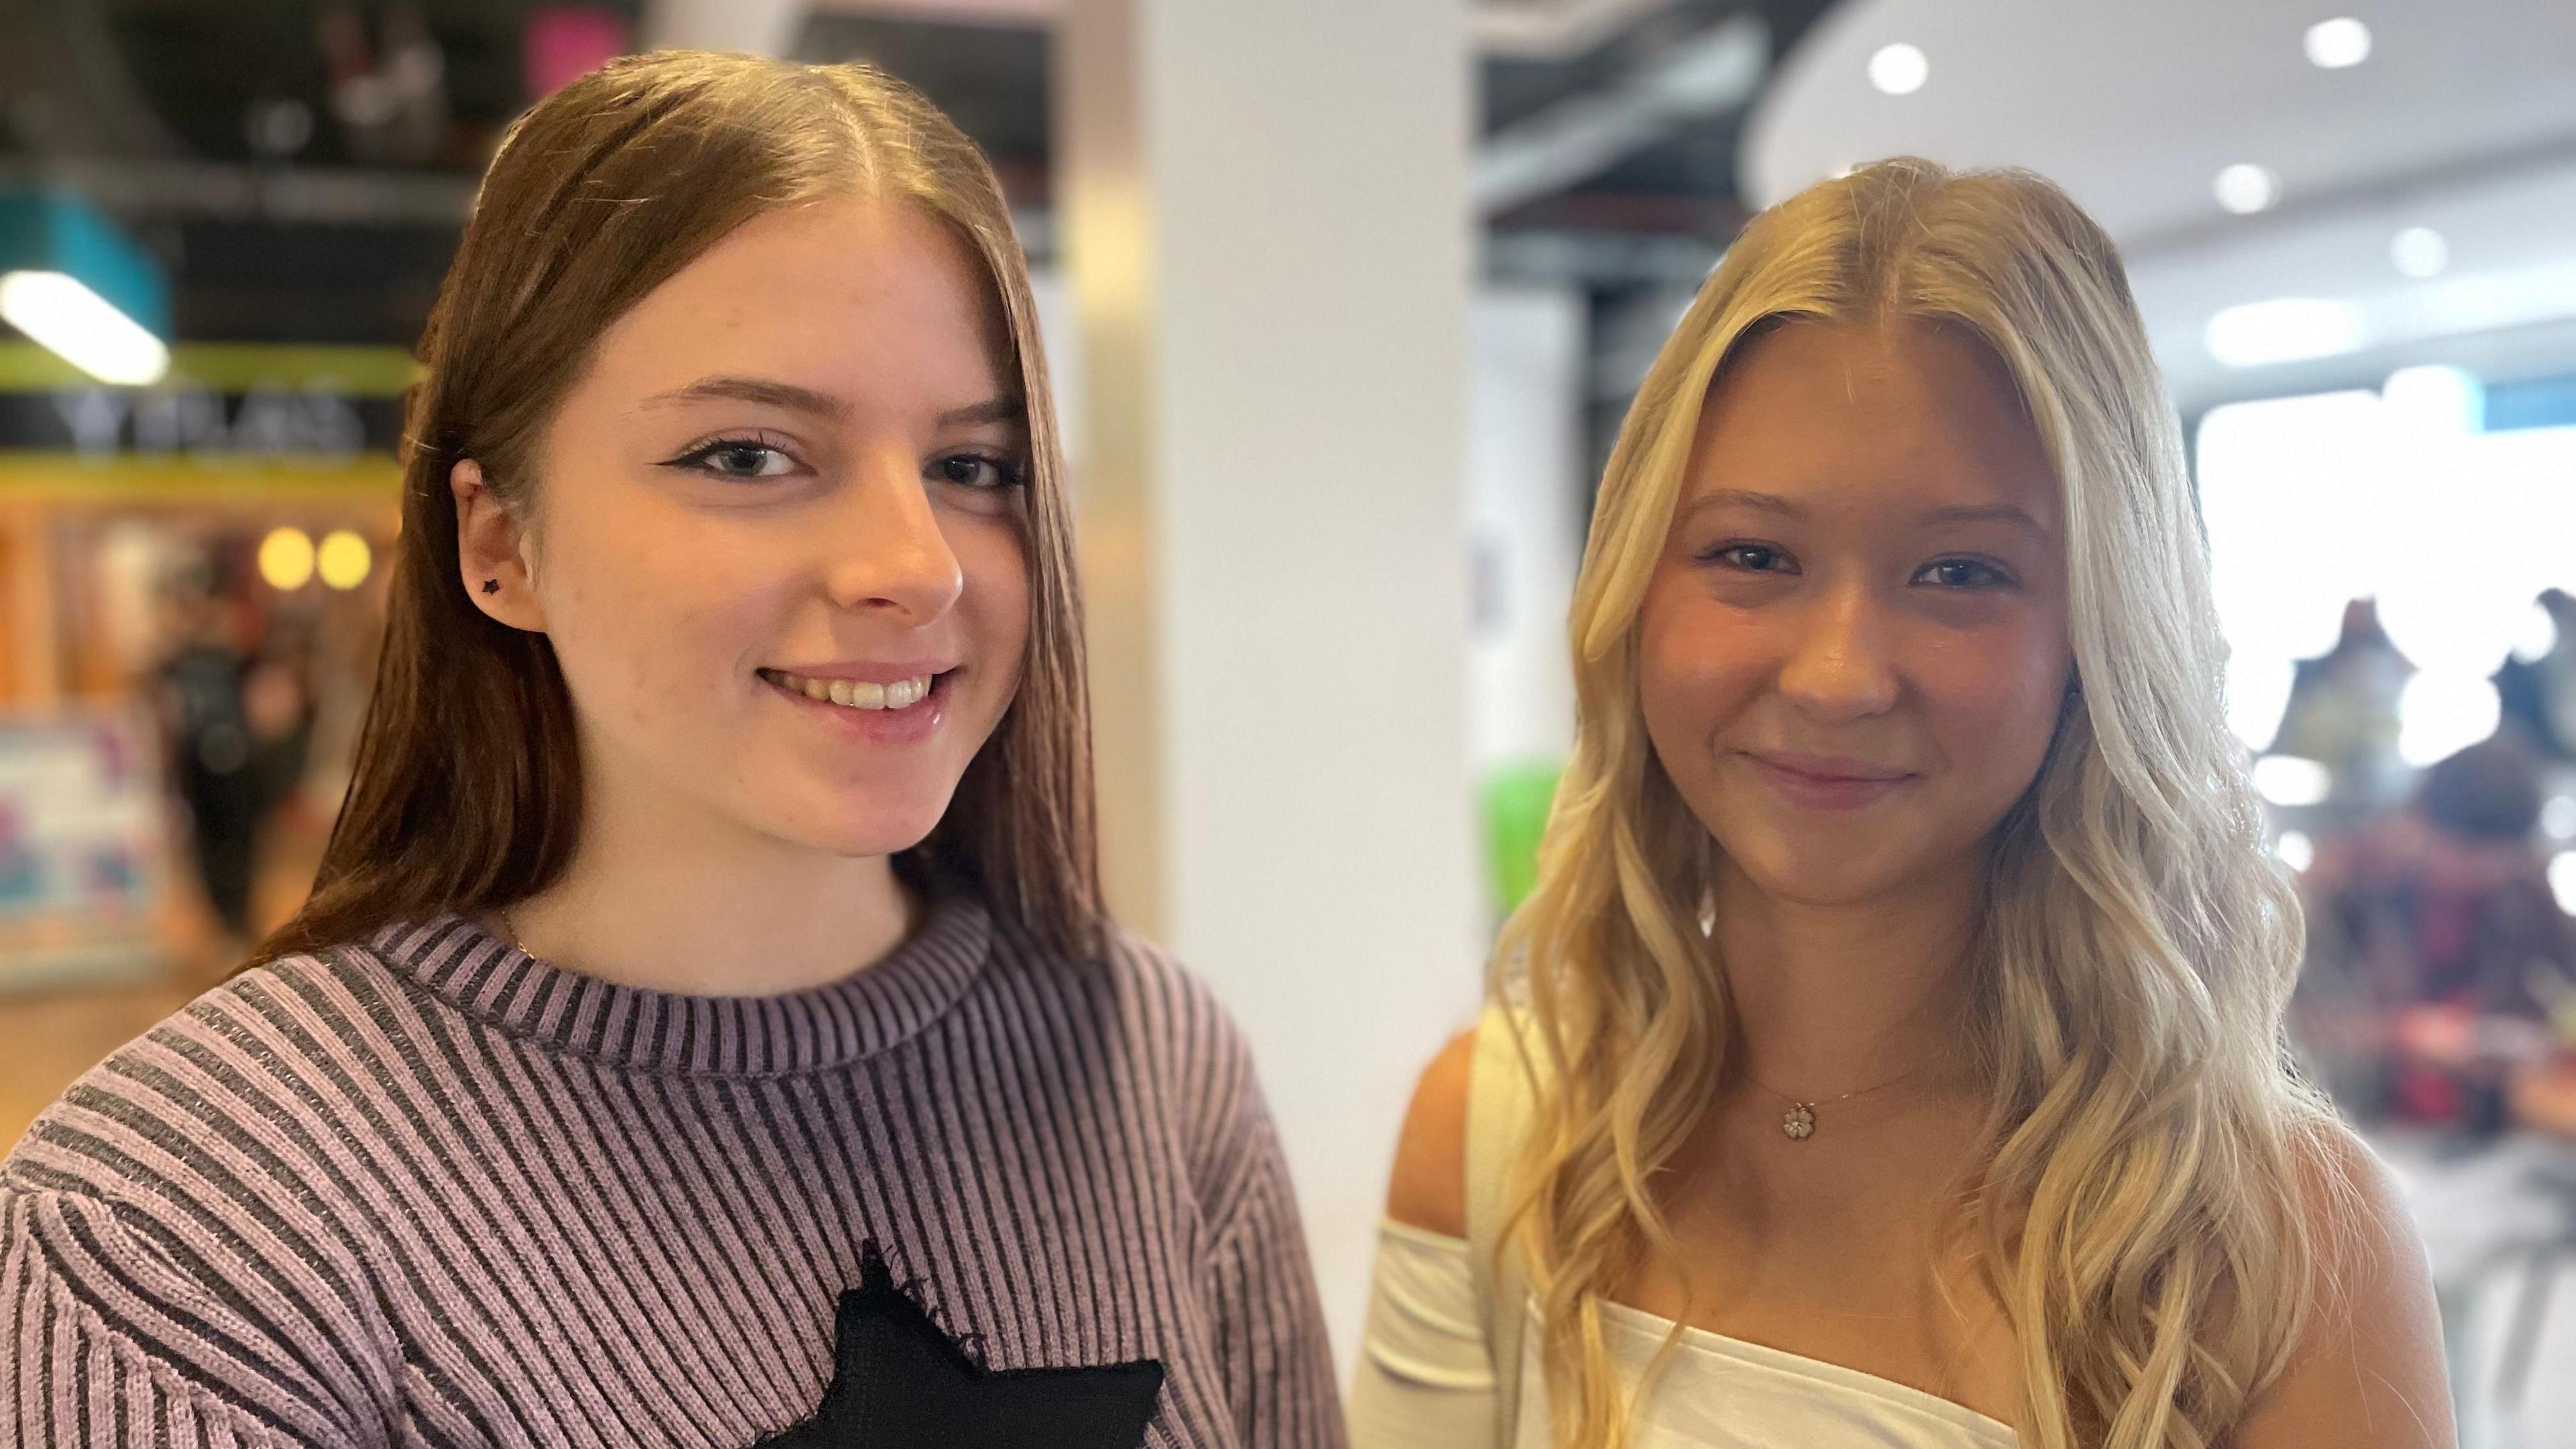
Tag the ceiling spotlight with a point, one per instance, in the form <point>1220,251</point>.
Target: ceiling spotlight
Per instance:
<point>2245,188</point>
<point>2419,251</point>
<point>1899,69</point>
<point>2334,44</point>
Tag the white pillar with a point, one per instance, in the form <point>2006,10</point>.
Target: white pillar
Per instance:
<point>1526,509</point>
<point>1264,219</point>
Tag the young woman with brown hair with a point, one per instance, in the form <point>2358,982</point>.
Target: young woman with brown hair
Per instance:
<point>705,1030</point>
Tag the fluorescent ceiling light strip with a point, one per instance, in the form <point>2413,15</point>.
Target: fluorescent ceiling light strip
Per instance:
<point>2285,329</point>
<point>83,328</point>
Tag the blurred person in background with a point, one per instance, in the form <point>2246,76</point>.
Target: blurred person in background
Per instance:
<point>1889,1053</point>
<point>206,727</point>
<point>705,1027</point>
<point>235,707</point>
<point>2438,956</point>
<point>2342,713</point>
<point>2538,696</point>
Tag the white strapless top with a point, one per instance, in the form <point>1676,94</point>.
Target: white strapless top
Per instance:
<point>1425,1380</point>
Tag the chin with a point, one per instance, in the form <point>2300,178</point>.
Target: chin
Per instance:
<point>864,825</point>
<point>1808,876</point>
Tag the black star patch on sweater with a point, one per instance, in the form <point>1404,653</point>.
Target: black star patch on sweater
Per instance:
<point>900,1381</point>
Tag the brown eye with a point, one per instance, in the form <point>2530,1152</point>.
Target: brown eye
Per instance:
<point>1962,573</point>
<point>1754,558</point>
<point>745,458</point>
<point>973,470</point>
<point>742,460</point>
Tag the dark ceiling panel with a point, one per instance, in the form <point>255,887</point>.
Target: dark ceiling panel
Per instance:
<point>261,282</point>
<point>990,79</point>
<point>205,64</point>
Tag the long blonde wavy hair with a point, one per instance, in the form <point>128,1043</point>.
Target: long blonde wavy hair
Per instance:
<point>2138,1207</point>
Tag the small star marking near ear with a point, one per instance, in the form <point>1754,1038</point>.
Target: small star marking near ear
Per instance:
<point>491,586</point>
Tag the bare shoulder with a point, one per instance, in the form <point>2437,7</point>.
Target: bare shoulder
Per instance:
<point>1429,1190</point>
<point>2370,1370</point>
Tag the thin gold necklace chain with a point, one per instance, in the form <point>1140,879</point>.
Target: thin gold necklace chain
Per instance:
<point>1829,1101</point>
<point>1799,1122</point>
<point>510,933</point>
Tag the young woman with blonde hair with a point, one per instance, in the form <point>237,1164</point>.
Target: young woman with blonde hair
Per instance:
<point>1891,1051</point>
<point>705,1031</point>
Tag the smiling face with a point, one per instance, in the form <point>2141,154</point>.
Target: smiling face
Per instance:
<point>1853,651</point>
<point>776,538</point>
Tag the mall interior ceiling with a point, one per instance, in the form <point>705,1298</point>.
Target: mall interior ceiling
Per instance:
<point>304,166</point>
<point>308,163</point>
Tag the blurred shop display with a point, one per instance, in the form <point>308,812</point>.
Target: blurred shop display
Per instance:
<point>81,849</point>
<point>199,560</point>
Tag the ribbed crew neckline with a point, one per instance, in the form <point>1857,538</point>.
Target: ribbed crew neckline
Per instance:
<point>871,1010</point>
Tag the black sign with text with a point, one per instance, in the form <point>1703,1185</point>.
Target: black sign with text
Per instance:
<point>199,422</point>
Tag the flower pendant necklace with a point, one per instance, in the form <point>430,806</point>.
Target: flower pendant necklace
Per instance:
<point>1799,1122</point>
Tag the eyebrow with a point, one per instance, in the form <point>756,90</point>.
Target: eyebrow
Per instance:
<point>2006,513</point>
<point>992,410</point>
<point>769,392</point>
<point>1985,513</point>
<point>1746,498</point>
<point>766,391</point>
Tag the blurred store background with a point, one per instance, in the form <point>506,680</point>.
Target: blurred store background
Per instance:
<point>1348,298</point>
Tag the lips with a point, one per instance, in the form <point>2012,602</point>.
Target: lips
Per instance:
<point>1834,768</point>
<point>1825,782</point>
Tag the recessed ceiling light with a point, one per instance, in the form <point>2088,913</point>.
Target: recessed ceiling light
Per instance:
<point>2419,251</point>
<point>2285,329</point>
<point>1899,69</point>
<point>2334,44</point>
<point>2245,188</point>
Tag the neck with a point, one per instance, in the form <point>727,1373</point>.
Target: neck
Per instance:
<point>1830,999</point>
<point>661,896</point>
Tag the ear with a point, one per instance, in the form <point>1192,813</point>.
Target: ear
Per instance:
<point>491,552</point>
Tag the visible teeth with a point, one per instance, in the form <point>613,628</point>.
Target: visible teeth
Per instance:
<point>856,693</point>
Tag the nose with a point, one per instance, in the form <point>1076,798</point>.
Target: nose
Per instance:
<point>889,555</point>
<point>1840,665</point>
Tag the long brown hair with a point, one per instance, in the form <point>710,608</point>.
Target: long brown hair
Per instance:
<point>468,786</point>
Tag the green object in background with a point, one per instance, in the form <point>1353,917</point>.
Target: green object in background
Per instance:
<point>1516,801</point>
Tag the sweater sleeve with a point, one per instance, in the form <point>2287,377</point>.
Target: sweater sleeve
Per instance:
<point>107,1342</point>
<point>1271,1343</point>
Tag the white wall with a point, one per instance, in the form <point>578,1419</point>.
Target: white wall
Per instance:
<point>1525,515</point>
<point>1264,222</point>
<point>1524,510</point>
